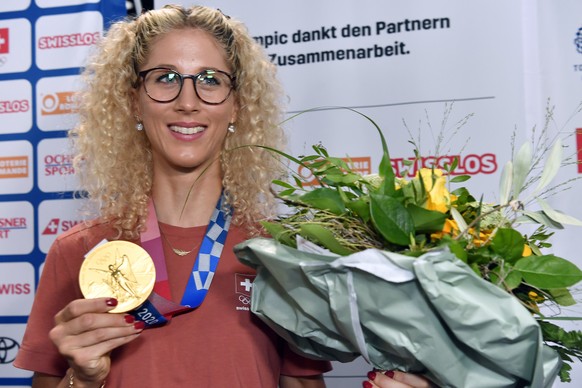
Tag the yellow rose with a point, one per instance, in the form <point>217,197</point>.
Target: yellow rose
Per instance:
<point>450,227</point>
<point>526,251</point>
<point>434,183</point>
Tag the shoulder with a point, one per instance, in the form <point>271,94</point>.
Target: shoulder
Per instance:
<point>85,235</point>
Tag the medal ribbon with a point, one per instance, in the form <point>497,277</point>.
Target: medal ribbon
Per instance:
<point>159,308</point>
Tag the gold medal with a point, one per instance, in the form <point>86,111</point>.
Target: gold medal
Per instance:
<point>118,269</point>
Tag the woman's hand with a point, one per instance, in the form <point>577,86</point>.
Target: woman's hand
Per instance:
<point>85,333</point>
<point>395,379</point>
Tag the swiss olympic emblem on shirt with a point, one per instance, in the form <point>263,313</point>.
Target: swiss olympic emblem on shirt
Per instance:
<point>243,284</point>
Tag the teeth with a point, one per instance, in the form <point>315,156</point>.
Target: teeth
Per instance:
<point>186,131</point>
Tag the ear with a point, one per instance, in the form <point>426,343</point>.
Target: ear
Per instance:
<point>134,98</point>
<point>234,114</point>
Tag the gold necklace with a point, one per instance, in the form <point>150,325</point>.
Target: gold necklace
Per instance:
<point>179,252</point>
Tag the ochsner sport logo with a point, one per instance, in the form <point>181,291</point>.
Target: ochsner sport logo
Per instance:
<point>63,41</point>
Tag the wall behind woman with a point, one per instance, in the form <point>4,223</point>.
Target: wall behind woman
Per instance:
<point>498,61</point>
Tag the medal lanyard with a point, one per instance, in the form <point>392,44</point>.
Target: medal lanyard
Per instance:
<point>206,260</point>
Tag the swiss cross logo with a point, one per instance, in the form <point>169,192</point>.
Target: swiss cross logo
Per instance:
<point>243,286</point>
<point>4,41</point>
<point>52,227</point>
<point>244,283</point>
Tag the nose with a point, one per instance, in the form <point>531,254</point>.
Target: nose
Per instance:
<point>188,100</point>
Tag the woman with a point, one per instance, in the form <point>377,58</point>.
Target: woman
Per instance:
<point>171,99</point>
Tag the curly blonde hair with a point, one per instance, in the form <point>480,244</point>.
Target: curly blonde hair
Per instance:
<point>114,161</point>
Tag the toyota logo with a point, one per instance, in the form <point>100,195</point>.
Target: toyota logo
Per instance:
<point>8,350</point>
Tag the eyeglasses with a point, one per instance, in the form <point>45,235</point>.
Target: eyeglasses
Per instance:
<point>164,85</point>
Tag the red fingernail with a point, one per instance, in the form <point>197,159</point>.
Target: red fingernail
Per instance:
<point>367,384</point>
<point>111,302</point>
<point>139,325</point>
<point>129,319</point>
<point>372,375</point>
<point>389,373</point>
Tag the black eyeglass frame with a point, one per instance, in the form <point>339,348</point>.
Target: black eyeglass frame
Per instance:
<point>182,77</point>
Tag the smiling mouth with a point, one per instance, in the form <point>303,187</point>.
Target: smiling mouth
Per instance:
<point>186,131</point>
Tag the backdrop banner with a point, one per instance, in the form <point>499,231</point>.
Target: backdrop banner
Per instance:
<point>42,45</point>
<point>454,78</point>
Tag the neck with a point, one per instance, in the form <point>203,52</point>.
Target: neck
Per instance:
<point>186,199</point>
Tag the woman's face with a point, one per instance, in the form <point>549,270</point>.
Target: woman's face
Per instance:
<point>185,133</point>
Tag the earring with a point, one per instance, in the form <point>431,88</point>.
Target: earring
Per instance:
<point>139,126</point>
<point>231,128</point>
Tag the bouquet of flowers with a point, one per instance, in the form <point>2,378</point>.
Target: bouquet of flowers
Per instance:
<point>460,251</point>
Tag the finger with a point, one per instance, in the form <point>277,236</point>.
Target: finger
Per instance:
<point>378,379</point>
<point>83,306</point>
<point>410,379</point>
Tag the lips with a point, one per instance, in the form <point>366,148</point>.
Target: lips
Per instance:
<point>187,130</point>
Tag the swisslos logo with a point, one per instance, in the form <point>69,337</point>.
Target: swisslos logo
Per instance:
<point>14,106</point>
<point>4,41</point>
<point>56,226</point>
<point>64,41</point>
<point>68,40</point>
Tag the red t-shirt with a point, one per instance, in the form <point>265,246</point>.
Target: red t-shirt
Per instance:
<point>219,344</point>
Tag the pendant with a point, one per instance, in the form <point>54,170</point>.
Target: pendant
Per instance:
<point>181,252</point>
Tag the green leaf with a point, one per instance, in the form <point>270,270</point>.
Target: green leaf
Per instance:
<point>505,183</point>
<point>282,184</point>
<point>541,218</point>
<point>426,221</point>
<point>562,296</point>
<point>506,277</point>
<point>279,233</point>
<point>552,165</point>
<point>324,199</point>
<point>391,219</point>
<point>345,179</point>
<point>459,219</point>
<point>508,244</point>
<point>548,271</point>
<point>324,237</point>
<point>556,215</point>
<point>460,178</point>
<point>521,168</point>
<point>361,207</point>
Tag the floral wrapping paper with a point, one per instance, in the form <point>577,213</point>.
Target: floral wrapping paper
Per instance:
<point>430,315</point>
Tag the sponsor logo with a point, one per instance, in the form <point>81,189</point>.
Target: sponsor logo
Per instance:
<point>58,164</point>
<point>60,103</point>
<point>361,165</point>
<point>8,350</point>
<point>4,41</point>
<point>579,148</point>
<point>65,40</point>
<point>14,167</point>
<point>10,342</point>
<point>68,40</point>
<point>471,164</point>
<point>243,284</point>
<point>578,40</point>
<point>14,106</point>
<point>56,226</point>
<point>9,224</point>
<point>16,288</point>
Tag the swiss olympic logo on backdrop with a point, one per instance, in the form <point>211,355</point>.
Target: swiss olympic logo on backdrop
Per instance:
<point>361,165</point>
<point>8,350</point>
<point>243,284</point>
<point>4,41</point>
<point>578,40</point>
